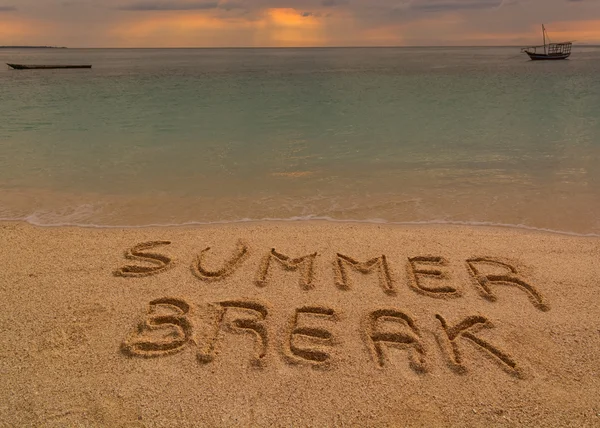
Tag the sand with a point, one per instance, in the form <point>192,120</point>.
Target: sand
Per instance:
<point>298,324</point>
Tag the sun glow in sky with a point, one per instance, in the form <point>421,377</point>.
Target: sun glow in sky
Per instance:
<point>220,23</point>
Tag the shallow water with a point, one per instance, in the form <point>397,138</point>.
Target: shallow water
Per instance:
<point>173,136</point>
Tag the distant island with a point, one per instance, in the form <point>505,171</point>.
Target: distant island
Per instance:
<point>32,47</point>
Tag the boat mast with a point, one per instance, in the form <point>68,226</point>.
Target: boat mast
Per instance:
<point>544,33</point>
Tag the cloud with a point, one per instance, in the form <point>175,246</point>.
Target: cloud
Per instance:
<point>509,3</point>
<point>332,3</point>
<point>147,23</point>
<point>273,27</point>
<point>146,6</point>
<point>454,5</point>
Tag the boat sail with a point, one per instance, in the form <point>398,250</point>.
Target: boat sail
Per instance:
<point>552,51</point>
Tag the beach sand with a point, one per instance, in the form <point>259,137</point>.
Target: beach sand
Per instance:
<point>298,324</point>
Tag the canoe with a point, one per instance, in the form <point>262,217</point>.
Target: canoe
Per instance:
<point>44,67</point>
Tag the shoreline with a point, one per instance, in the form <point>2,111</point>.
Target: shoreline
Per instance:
<point>316,220</point>
<point>308,323</point>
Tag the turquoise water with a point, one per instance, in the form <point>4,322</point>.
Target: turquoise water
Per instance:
<point>477,135</point>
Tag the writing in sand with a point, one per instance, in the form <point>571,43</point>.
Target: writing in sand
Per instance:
<point>170,327</point>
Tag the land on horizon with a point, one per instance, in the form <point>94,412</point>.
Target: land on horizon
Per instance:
<point>33,47</point>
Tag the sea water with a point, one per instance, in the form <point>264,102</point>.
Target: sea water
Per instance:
<point>179,136</point>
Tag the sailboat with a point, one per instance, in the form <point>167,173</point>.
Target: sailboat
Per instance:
<point>551,50</point>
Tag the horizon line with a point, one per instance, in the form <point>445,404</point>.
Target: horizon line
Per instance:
<point>276,47</point>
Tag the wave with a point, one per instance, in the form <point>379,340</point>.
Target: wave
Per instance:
<point>34,220</point>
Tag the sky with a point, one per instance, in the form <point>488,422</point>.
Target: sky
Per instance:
<point>297,23</point>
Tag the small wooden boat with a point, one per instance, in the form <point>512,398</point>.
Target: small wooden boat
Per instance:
<point>552,51</point>
<point>44,67</point>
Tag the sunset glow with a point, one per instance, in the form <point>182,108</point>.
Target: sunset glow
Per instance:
<point>187,23</point>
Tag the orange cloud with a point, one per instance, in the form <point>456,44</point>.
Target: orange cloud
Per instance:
<point>422,31</point>
<point>288,17</point>
<point>581,31</point>
<point>178,29</point>
<point>274,27</point>
<point>18,31</point>
<point>453,29</point>
<point>289,27</point>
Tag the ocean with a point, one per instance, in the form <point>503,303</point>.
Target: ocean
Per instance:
<point>396,135</point>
